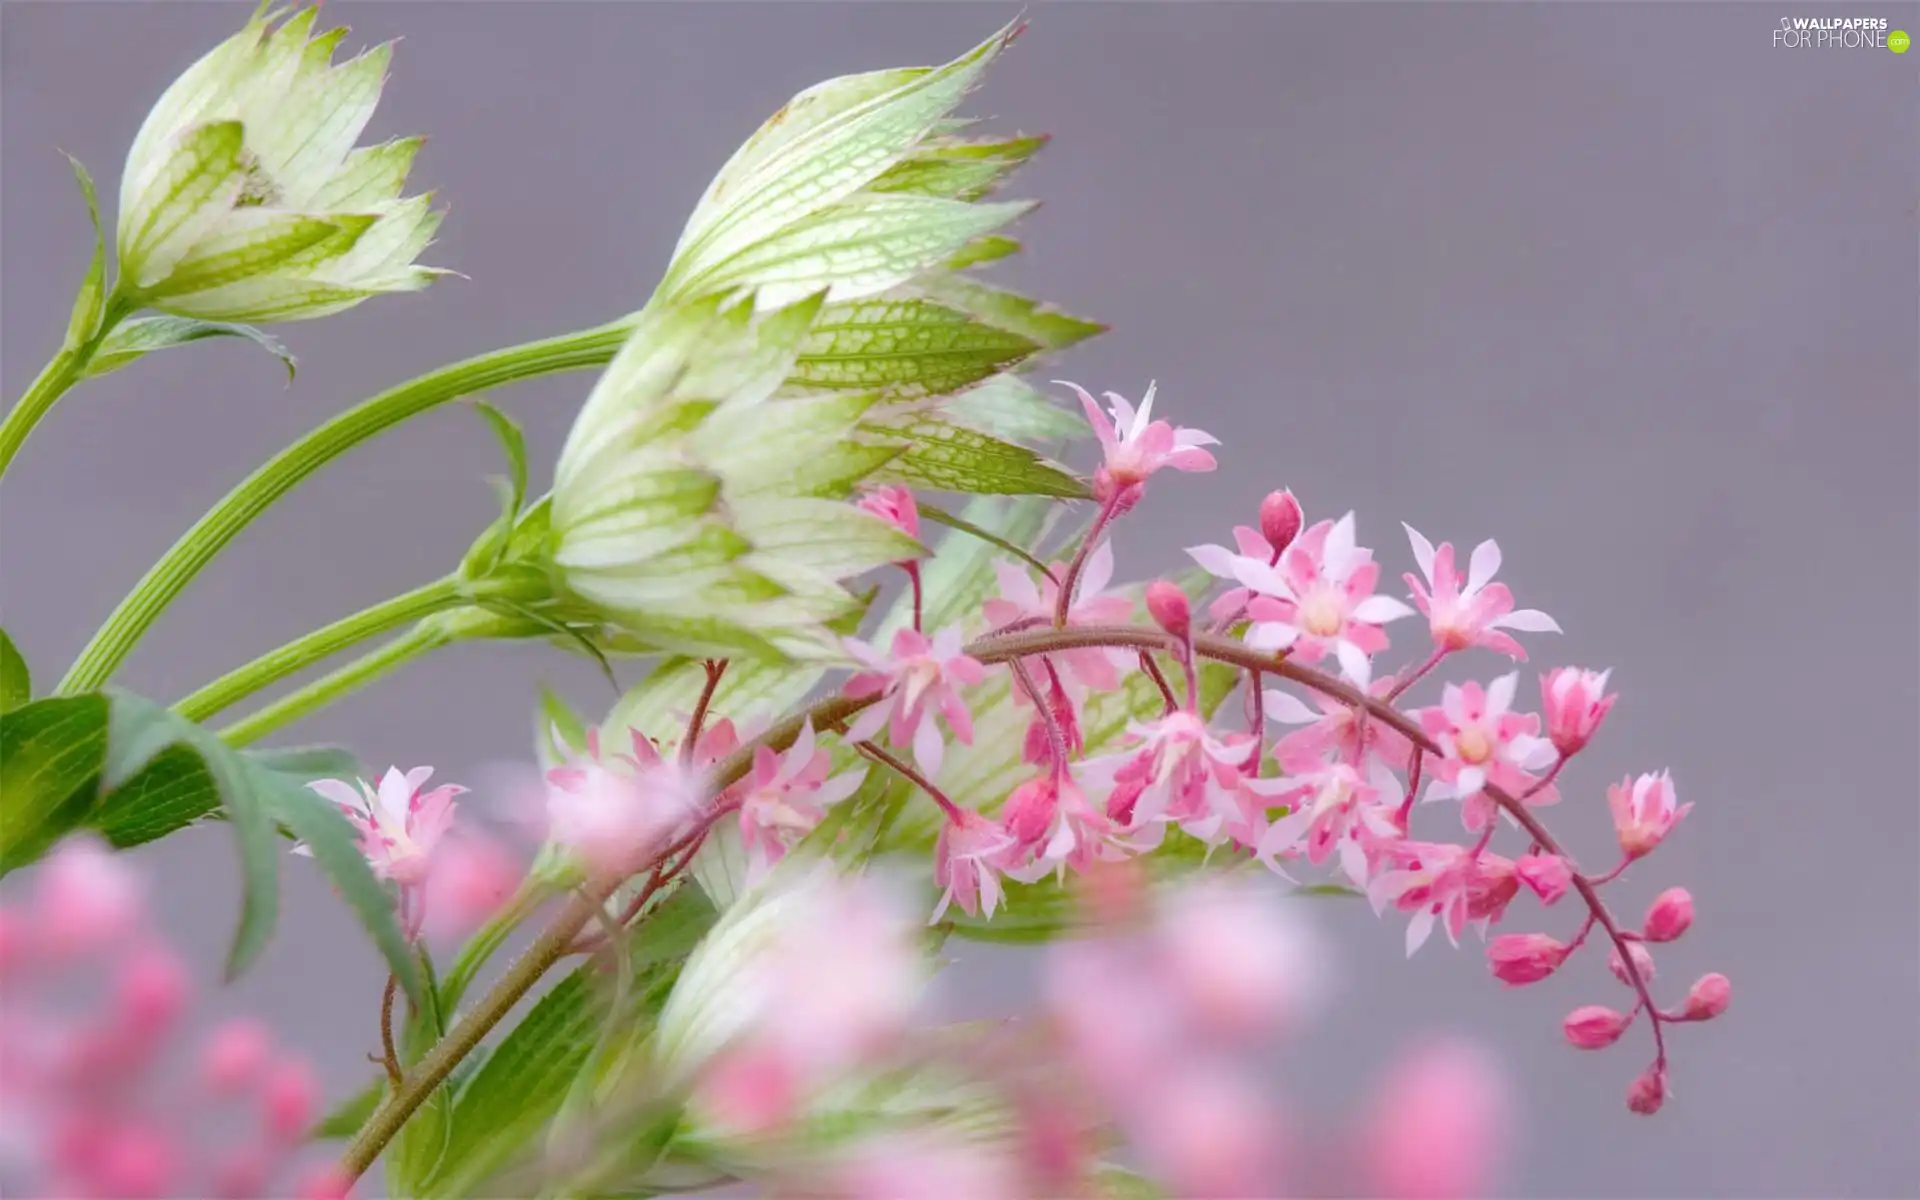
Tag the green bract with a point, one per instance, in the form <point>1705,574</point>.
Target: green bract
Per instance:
<point>243,197</point>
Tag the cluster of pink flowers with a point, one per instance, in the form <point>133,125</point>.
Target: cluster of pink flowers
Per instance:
<point>1341,786</point>
<point>117,1102</point>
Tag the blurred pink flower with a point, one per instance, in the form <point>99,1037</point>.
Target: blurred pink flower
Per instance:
<point>1437,1127</point>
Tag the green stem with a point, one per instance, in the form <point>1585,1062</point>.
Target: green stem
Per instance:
<point>422,638</point>
<point>301,653</point>
<point>197,547</point>
<point>54,381</point>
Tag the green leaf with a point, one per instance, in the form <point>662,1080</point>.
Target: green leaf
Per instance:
<point>1008,407</point>
<point>1045,326</point>
<point>492,544</point>
<point>92,298</point>
<point>559,733</point>
<point>143,335</point>
<point>50,751</point>
<point>529,1074</point>
<point>958,169</point>
<point>345,1119</point>
<point>416,1150</point>
<point>904,348</point>
<point>952,458</point>
<point>991,248</point>
<point>16,682</point>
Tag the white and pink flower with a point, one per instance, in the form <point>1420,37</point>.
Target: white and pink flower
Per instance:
<point>1335,810</point>
<point>1134,446</point>
<point>1471,610</point>
<point>784,796</point>
<point>967,861</point>
<point>1022,600</point>
<point>1645,811</point>
<point>1576,702</point>
<point>399,823</point>
<point>1483,743</point>
<point>613,811</point>
<point>917,683</point>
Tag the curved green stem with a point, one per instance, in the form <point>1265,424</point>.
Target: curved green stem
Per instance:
<point>301,653</point>
<point>53,382</point>
<point>197,547</point>
<point>422,638</point>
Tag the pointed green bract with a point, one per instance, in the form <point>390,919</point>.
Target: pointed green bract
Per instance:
<point>904,348</point>
<point>132,340</point>
<point>92,298</point>
<point>243,199</point>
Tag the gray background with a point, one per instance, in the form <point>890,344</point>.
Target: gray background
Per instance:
<point>1623,286</point>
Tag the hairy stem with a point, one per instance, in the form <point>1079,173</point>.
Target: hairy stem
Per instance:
<point>164,582</point>
<point>301,653</point>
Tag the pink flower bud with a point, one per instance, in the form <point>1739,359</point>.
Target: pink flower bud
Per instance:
<point>1493,884</point>
<point>1595,1027</point>
<point>1548,875</point>
<point>1648,1092</point>
<point>894,505</point>
<point>86,898</point>
<point>1642,962</point>
<point>1522,958</point>
<point>1669,916</point>
<point>153,990</point>
<point>1709,997</point>
<point>1575,705</point>
<point>234,1056</point>
<point>289,1099</point>
<point>1168,606</point>
<point>1437,1126</point>
<point>1280,519</point>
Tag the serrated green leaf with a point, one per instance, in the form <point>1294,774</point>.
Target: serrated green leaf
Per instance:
<point>143,335</point>
<point>50,751</point>
<point>958,169</point>
<point>92,298</point>
<point>903,348</point>
<point>1047,327</point>
<point>529,1074</point>
<point>953,458</point>
<point>990,248</point>
<point>16,682</point>
<point>1008,407</point>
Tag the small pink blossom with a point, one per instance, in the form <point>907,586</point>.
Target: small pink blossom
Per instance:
<point>1053,828</point>
<point>1548,875</point>
<point>894,505</point>
<point>1476,614</point>
<point>613,811</point>
<point>1333,810</point>
<point>918,682</point>
<point>1708,997</point>
<point>1576,702</point>
<point>1333,732</point>
<point>966,860</point>
<point>234,1056</point>
<point>785,796</point>
<point>1482,742</point>
<point>1037,747</point>
<point>1644,812</point>
<point>1319,600</point>
<point>1134,446</point>
<point>1669,916</point>
<point>473,877</point>
<point>1024,600</point>
<point>1595,1027</point>
<point>1232,960</point>
<point>1249,543</point>
<point>1437,1127</point>
<point>1208,1130</point>
<point>1518,959</point>
<point>86,899</point>
<point>1179,773</point>
<point>1432,880</point>
<point>398,823</point>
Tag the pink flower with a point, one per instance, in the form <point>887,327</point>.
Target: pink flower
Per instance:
<point>1575,703</point>
<point>1237,967</point>
<point>399,825</point>
<point>1437,1126</point>
<point>785,796</point>
<point>613,811</point>
<point>1648,1092</point>
<point>1023,600</point>
<point>1135,445</point>
<point>965,864</point>
<point>1333,732</point>
<point>235,1055</point>
<point>921,679</point>
<point>1209,1130</point>
<point>1432,880</point>
<point>1595,1027</point>
<point>1483,743</point>
<point>1168,607</point>
<point>1334,809</point>
<point>1708,997</point>
<point>1053,828</point>
<point>1060,704</point>
<point>473,877</point>
<point>1319,600</point>
<point>1644,812</point>
<point>1669,916</point>
<point>1250,543</point>
<point>1476,614</point>
<point>87,898</point>
<point>1518,959</point>
<point>1548,875</point>
<point>1180,773</point>
<point>894,505</point>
